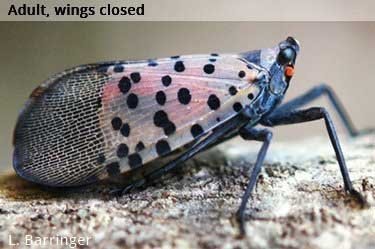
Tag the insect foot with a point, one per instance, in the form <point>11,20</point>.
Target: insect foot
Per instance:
<point>136,185</point>
<point>360,199</point>
<point>238,220</point>
<point>118,192</point>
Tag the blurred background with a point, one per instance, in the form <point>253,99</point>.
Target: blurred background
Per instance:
<point>338,53</point>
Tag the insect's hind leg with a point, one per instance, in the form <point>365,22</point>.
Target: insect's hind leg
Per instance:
<point>262,135</point>
<point>311,114</point>
<point>315,93</point>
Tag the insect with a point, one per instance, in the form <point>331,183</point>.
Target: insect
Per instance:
<point>101,120</point>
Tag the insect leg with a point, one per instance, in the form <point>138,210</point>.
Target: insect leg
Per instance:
<point>315,93</point>
<point>265,136</point>
<point>310,114</point>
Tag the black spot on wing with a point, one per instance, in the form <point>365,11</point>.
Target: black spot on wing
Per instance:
<point>162,147</point>
<point>125,130</point>
<point>160,118</point>
<point>241,74</point>
<point>237,106</point>
<point>232,90</point>
<point>116,123</point>
<point>132,101</point>
<point>209,68</point>
<point>152,63</point>
<point>169,129</point>
<point>136,77</point>
<point>122,151</point>
<point>213,102</point>
<point>124,84</point>
<point>196,130</point>
<point>179,66</point>
<point>118,68</point>
<point>160,97</point>
<point>184,96</point>
<point>166,80</point>
<point>134,160</point>
<point>140,146</point>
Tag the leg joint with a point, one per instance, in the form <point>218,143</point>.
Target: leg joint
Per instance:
<point>268,136</point>
<point>266,121</point>
<point>255,134</point>
<point>323,87</point>
<point>315,112</point>
<point>323,112</point>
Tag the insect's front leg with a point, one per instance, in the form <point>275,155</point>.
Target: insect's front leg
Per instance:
<point>311,114</point>
<point>262,135</point>
<point>317,92</point>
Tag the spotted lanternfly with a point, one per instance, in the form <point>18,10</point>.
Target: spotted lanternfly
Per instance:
<point>101,120</point>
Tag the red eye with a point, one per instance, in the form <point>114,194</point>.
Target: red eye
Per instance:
<point>289,71</point>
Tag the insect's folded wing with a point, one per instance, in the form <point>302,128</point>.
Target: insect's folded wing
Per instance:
<point>58,138</point>
<point>124,114</point>
<point>194,101</point>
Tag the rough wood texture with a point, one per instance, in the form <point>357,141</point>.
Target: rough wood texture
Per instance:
<point>298,203</point>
